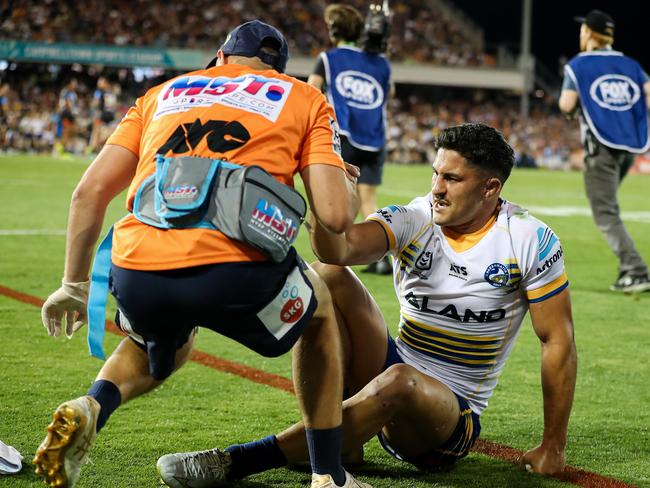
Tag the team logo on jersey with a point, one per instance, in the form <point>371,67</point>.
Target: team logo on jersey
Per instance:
<point>615,92</point>
<point>424,260</point>
<point>497,275</point>
<point>546,240</point>
<point>255,94</point>
<point>359,89</point>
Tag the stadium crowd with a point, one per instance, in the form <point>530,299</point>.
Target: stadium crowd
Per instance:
<point>30,106</point>
<point>426,32</point>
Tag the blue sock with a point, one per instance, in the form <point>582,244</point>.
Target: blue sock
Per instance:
<point>255,457</point>
<point>325,452</point>
<point>109,398</point>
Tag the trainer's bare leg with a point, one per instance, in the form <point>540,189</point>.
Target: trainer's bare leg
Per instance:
<point>128,368</point>
<point>317,366</point>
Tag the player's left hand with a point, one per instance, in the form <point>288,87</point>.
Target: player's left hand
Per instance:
<point>544,460</point>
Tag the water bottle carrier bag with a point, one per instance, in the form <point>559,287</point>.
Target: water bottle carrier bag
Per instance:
<point>245,203</point>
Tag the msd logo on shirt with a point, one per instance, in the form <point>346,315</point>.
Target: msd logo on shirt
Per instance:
<point>615,92</point>
<point>255,94</point>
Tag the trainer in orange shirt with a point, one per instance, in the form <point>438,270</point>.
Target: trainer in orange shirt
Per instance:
<point>168,281</point>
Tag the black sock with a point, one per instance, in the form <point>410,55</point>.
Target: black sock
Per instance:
<point>109,398</point>
<point>325,452</point>
<point>255,457</point>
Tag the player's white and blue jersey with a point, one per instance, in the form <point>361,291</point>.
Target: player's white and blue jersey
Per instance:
<point>613,101</point>
<point>358,86</point>
<point>463,297</point>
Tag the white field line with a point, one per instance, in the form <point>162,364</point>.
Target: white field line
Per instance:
<point>32,232</point>
<point>630,216</point>
<point>642,217</point>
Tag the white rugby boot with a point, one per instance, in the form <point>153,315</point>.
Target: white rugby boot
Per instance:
<point>200,469</point>
<point>69,438</point>
<point>326,481</point>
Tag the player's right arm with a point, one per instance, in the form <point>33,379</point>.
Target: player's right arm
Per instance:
<point>362,243</point>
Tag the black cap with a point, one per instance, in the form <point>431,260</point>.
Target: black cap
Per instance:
<point>247,40</point>
<point>598,21</point>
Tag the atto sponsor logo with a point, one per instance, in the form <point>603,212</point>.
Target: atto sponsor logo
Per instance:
<point>256,94</point>
<point>360,89</point>
<point>615,92</point>
<point>497,275</point>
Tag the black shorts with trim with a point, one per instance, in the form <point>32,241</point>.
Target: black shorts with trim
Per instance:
<point>263,305</point>
<point>456,447</point>
<point>370,163</point>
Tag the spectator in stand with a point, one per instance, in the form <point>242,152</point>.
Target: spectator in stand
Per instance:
<point>68,109</point>
<point>428,34</point>
<point>104,106</point>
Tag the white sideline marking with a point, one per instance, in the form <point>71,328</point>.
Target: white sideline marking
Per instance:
<point>641,216</point>
<point>32,232</point>
<point>631,216</point>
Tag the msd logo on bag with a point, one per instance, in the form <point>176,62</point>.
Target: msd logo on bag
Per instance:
<point>255,94</point>
<point>268,216</point>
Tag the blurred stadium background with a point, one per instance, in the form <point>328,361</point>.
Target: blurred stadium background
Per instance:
<point>448,69</point>
<point>445,70</point>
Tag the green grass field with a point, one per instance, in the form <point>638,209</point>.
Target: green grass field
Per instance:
<point>200,407</point>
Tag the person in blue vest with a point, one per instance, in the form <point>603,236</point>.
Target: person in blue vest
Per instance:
<point>611,93</point>
<point>355,76</point>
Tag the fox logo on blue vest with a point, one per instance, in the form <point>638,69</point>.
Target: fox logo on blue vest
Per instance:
<point>359,89</point>
<point>615,92</point>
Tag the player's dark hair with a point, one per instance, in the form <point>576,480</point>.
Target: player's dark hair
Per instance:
<point>344,22</point>
<point>481,145</point>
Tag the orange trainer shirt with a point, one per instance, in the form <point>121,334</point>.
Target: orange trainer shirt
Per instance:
<point>227,112</point>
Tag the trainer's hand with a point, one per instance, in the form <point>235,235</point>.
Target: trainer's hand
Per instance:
<point>69,301</point>
<point>352,172</point>
<point>544,460</point>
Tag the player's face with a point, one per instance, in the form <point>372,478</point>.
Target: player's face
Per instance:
<point>458,192</point>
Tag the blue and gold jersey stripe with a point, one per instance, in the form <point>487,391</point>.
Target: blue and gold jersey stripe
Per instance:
<point>514,272</point>
<point>547,291</point>
<point>410,252</point>
<point>454,348</point>
<point>389,232</point>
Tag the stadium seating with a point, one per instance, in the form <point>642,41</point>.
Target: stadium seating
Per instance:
<point>422,31</point>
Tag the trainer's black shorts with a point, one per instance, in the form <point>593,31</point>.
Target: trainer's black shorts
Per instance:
<point>456,447</point>
<point>371,163</point>
<point>263,305</point>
